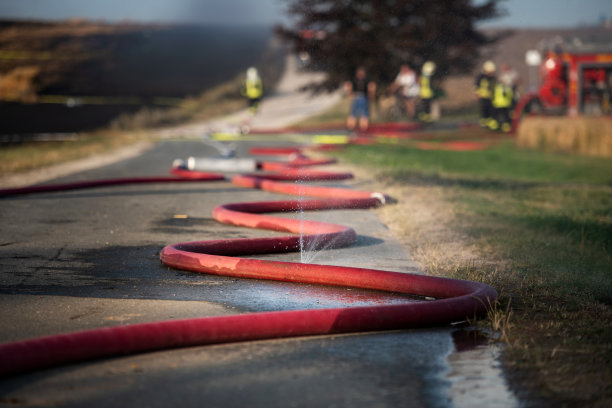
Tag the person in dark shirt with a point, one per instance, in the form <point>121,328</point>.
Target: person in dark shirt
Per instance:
<point>360,89</point>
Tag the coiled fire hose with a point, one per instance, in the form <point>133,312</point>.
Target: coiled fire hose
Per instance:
<point>456,300</point>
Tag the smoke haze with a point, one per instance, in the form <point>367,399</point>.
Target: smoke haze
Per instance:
<point>222,12</point>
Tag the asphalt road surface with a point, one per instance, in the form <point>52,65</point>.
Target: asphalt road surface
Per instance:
<point>89,258</point>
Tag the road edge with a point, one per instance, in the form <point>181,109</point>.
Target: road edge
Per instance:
<point>43,174</point>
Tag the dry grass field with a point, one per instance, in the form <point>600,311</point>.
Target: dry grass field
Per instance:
<point>590,136</point>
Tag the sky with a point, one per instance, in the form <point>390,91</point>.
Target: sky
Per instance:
<point>521,13</point>
<point>552,13</point>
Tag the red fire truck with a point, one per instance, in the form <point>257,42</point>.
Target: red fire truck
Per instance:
<point>576,78</point>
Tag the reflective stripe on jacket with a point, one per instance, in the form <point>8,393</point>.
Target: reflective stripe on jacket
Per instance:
<point>483,87</point>
<point>254,89</point>
<point>426,91</point>
<point>502,96</point>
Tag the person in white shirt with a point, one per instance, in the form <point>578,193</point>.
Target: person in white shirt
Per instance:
<point>407,85</point>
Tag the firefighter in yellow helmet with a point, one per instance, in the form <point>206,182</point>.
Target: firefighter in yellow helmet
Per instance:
<point>253,89</point>
<point>483,90</point>
<point>426,93</point>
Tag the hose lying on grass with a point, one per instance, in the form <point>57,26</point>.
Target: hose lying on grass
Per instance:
<point>456,300</point>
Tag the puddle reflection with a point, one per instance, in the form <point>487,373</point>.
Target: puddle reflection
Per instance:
<point>259,296</point>
<point>476,376</point>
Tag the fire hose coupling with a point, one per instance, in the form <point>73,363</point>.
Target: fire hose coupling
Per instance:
<point>296,156</point>
<point>229,164</point>
<point>179,164</point>
<point>384,199</point>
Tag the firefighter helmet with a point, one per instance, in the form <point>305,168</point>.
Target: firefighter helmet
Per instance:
<point>429,67</point>
<point>252,74</point>
<point>489,67</point>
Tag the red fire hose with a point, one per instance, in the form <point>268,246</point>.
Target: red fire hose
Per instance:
<point>456,300</point>
<point>182,176</point>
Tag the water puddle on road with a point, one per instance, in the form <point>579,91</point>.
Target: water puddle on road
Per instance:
<point>475,373</point>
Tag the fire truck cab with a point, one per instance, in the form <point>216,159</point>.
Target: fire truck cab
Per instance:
<point>577,78</point>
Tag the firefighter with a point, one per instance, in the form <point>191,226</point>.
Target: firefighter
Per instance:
<point>483,90</point>
<point>510,77</point>
<point>503,96</point>
<point>426,93</point>
<point>253,89</point>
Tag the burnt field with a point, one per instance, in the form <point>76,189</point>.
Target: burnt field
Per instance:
<point>77,75</point>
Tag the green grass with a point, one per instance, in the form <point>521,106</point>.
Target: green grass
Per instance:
<point>500,163</point>
<point>549,214</point>
<point>561,233</point>
<point>558,207</point>
<point>542,225</point>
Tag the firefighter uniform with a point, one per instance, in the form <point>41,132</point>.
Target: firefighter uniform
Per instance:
<point>483,88</point>
<point>253,89</point>
<point>426,93</point>
<point>502,103</point>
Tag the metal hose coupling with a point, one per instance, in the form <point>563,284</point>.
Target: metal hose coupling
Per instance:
<point>384,199</point>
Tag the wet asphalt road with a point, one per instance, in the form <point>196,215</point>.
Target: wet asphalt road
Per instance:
<point>89,258</point>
